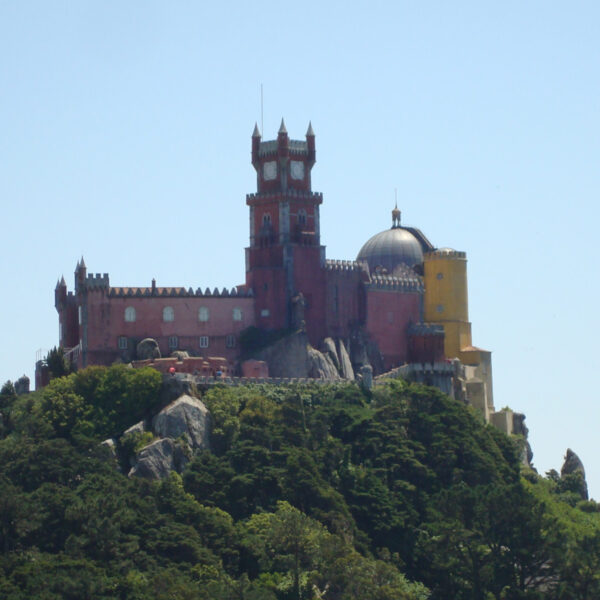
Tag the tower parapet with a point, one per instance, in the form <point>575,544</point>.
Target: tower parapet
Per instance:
<point>97,281</point>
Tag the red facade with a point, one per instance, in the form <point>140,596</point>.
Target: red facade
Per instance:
<point>289,284</point>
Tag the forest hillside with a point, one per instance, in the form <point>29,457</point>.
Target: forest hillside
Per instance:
<point>307,492</point>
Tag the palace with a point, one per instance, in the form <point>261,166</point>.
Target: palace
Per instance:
<point>402,298</point>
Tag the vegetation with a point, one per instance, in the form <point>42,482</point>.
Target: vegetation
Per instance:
<point>309,492</point>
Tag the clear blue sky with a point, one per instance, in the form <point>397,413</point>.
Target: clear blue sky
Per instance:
<point>125,137</point>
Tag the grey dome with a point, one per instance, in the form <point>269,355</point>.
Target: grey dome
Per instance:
<point>391,248</point>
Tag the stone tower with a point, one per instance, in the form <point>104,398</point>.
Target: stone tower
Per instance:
<point>285,257</point>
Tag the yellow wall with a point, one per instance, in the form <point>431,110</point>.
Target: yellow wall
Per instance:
<point>446,298</point>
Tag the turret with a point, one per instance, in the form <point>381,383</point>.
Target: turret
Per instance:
<point>255,145</point>
<point>283,141</point>
<point>60,293</point>
<point>80,275</point>
<point>310,142</point>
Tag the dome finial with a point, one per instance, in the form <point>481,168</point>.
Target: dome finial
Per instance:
<point>396,212</point>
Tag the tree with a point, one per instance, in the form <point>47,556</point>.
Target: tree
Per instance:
<point>57,362</point>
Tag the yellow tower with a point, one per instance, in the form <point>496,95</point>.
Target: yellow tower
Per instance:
<point>446,298</point>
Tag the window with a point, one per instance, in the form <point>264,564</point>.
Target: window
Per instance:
<point>203,314</point>
<point>203,341</point>
<point>79,314</point>
<point>123,342</point>
<point>237,314</point>
<point>301,217</point>
<point>440,276</point>
<point>439,308</point>
<point>60,334</point>
<point>173,342</point>
<point>130,314</point>
<point>230,341</point>
<point>265,312</point>
<point>168,314</point>
<point>266,219</point>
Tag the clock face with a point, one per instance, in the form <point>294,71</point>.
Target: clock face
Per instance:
<point>297,169</point>
<point>270,170</point>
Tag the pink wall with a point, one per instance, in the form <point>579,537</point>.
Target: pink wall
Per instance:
<point>106,323</point>
<point>388,316</point>
<point>349,308</point>
<point>309,278</point>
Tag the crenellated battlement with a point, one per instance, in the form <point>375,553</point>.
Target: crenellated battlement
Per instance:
<point>402,283</point>
<point>422,329</point>
<point>289,193</point>
<point>441,253</point>
<point>343,265</point>
<point>97,280</point>
<point>177,292</point>
<point>269,148</point>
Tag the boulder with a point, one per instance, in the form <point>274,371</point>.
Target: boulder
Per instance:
<point>287,357</point>
<point>139,427</point>
<point>158,459</point>
<point>346,369</point>
<point>293,357</point>
<point>109,448</point>
<point>147,348</point>
<point>186,418</point>
<point>175,386</point>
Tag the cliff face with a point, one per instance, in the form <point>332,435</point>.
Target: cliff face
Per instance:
<point>292,356</point>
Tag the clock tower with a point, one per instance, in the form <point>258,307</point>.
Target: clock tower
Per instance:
<point>285,257</point>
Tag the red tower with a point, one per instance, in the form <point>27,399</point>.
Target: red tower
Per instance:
<point>285,257</point>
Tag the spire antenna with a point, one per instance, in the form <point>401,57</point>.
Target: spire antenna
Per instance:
<point>262,121</point>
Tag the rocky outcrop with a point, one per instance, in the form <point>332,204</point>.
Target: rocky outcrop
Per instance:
<point>109,449</point>
<point>159,458</point>
<point>519,428</point>
<point>139,427</point>
<point>320,366</point>
<point>328,349</point>
<point>175,387</point>
<point>364,351</point>
<point>573,469</point>
<point>346,370</point>
<point>287,357</point>
<point>293,357</point>
<point>147,348</point>
<point>186,418</point>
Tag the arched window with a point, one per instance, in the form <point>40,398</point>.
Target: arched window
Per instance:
<point>237,314</point>
<point>173,342</point>
<point>130,314</point>
<point>168,314</point>
<point>301,217</point>
<point>203,314</point>
<point>266,219</point>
